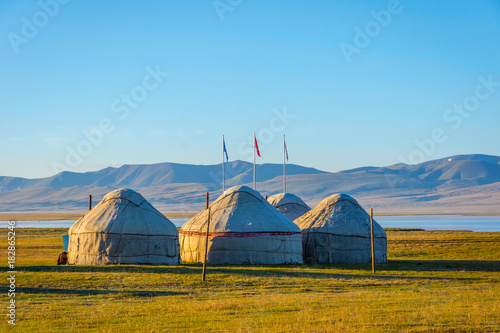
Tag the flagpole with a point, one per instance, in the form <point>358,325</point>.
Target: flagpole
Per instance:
<point>223,173</point>
<point>284,165</point>
<point>254,160</point>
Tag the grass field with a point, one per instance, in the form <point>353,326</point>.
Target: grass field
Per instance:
<point>436,281</point>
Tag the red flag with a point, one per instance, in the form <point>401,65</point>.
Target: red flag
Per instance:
<point>256,145</point>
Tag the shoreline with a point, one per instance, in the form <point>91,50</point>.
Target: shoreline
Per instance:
<point>30,216</point>
<point>66,216</point>
<point>437,213</point>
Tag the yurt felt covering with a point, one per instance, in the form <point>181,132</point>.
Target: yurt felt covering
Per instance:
<point>338,231</point>
<point>124,228</point>
<point>244,229</point>
<point>289,204</point>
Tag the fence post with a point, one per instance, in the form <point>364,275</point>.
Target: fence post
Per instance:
<point>372,240</point>
<point>206,242</point>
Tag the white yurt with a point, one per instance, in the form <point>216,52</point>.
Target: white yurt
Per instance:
<point>289,204</point>
<point>338,231</point>
<point>124,228</point>
<point>244,229</point>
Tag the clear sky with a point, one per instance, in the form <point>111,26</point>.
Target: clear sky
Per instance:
<point>350,83</point>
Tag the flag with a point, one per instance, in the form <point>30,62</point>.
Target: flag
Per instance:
<point>256,145</point>
<point>225,150</point>
<point>286,150</point>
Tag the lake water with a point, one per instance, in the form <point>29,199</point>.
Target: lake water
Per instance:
<point>426,222</point>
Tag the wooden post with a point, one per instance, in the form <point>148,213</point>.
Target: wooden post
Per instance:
<point>266,197</point>
<point>90,202</point>
<point>372,240</point>
<point>206,242</point>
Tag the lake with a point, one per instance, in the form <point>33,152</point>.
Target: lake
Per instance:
<point>64,223</point>
<point>426,222</point>
<point>441,222</point>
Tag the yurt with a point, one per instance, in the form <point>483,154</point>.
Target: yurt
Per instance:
<point>244,229</point>
<point>338,231</point>
<point>124,228</point>
<point>289,204</point>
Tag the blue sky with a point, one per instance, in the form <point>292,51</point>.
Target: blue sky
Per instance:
<point>238,67</point>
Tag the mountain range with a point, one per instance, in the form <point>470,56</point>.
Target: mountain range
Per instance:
<point>453,184</point>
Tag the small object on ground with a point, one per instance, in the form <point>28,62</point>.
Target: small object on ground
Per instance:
<point>63,258</point>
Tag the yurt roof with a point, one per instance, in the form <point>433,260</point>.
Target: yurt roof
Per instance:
<point>241,209</point>
<point>339,214</point>
<point>282,199</point>
<point>124,211</point>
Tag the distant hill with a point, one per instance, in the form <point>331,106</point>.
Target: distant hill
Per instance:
<point>140,176</point>
<point>456,183</point>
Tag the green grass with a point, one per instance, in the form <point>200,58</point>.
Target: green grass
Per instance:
<point>435,281</point>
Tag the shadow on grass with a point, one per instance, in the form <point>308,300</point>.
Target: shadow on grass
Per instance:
<point>185,269</point>
<point>442,265</point>
<point>86,292</point>
<point>410,267</point>
<point>321,270</point>
<point>193,272</point>
<point>423,266</point>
